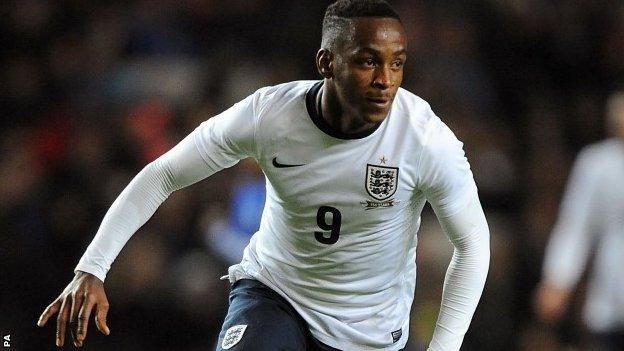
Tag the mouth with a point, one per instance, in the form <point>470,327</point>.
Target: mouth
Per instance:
<point>379,102</point>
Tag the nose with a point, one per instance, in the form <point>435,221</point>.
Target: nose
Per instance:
<point>383,78</point>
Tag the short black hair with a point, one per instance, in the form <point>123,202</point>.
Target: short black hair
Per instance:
<point>338,15</point>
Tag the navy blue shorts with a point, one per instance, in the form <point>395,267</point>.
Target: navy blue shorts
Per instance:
<point>260,319</point>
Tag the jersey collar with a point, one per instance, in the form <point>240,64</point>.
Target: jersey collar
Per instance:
<point>315,113</point>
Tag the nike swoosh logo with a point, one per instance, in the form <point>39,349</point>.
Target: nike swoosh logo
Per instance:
<point>281,165</point>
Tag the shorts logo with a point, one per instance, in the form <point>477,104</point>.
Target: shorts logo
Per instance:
<point>233,335</point>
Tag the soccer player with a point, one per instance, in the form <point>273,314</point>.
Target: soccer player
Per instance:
<point>350,161</point>
<point>591,216</point>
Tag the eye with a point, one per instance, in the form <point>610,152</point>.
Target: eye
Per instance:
<point>369,62</point>
<point>397,64</point>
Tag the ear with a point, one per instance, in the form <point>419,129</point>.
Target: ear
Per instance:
<point>325,63</point>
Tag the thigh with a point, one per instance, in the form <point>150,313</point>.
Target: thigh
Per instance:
<point>259,319</point>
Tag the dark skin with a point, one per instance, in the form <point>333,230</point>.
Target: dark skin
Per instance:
<point>82,297</point>
<point>362,76</point>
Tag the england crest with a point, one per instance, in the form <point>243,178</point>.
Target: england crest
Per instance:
<point>381,181</point>
<point>233,335</point>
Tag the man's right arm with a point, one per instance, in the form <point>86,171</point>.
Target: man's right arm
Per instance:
<point>178,168</point>
<point>216,144</point>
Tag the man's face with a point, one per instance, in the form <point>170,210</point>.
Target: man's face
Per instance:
<point>368,67</point>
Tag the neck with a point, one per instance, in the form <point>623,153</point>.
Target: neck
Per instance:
<point>336,115</point>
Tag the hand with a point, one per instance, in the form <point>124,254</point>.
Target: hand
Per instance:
<point>74,305</point>
<point>551,302</point>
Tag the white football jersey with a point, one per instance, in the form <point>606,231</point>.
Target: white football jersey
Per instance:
<point>338,232</point>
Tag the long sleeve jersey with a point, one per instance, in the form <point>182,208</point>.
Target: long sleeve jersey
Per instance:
<point>337,237</point>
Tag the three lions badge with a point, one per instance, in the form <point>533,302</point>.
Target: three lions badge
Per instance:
<point>381,184</point>
<point>233,335</point>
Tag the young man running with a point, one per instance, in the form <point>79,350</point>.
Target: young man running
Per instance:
<point>350,162</point>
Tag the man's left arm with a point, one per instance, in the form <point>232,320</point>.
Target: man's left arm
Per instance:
<point>447,182</point>
<point>465,277</point>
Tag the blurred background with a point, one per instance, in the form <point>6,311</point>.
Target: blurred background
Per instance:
<point>92,91</point>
